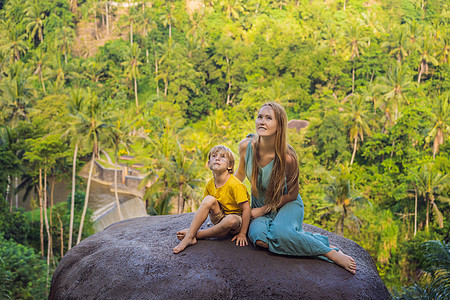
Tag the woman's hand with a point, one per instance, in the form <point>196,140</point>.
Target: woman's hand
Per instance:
<point>259,211</point>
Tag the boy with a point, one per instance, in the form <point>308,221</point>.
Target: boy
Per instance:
<point>226,200</point>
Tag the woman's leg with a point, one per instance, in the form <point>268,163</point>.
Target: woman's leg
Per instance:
<point>287,237</point>
<point>258,229</point>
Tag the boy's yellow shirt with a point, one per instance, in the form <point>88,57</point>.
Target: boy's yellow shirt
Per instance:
<point>229,195</point>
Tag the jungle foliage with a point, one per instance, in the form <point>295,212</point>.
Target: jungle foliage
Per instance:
<point>164,81</point>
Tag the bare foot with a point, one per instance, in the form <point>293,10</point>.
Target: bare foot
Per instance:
<point>261,244</point>
<point>182,233</point>
<point>343,260</point>
<point>184,243</point>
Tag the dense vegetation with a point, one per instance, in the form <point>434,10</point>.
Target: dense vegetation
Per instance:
<point>164,81</point>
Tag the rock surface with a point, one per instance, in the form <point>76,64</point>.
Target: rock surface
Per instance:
<point>133,259</point>
<point>297,124</point>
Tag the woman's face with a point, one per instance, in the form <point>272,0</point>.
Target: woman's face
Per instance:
<point>266,124</point>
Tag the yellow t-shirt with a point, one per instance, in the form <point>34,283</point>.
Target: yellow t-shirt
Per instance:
<point>229,195</point>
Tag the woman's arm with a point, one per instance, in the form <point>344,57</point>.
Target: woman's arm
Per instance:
<point>290,172</point>
<point>240,171</point>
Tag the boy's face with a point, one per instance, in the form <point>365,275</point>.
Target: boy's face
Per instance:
<point>218,162</point>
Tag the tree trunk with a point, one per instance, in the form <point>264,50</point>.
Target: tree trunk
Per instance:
<point>115,190</point>
<point>52,198</point>
<point>156,73</point>
<point>166,87</point>
<point>8,193</point>
<point>131,33</point>
<point>16,196</point>
<point>95,23</point>
<point>41,217</point>
<point>180,199</point>
<point>72,201</point>
<point>61,235</point>
<point>43,85</point>
<point>229,91</point>
<point>107,17</point>
<point>91,169</point>
<point>428,212</point>
<point>340,225</point>
<point>415,211</point>
<point>353,79</point>
<point>354,150</point>
<point>47,226</point>
<point>135,92</point>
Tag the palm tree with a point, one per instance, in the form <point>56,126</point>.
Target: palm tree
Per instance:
<point>430,183</point>
<point>179,173</point>
<point>94,121</point>
<point>332,36</point>
<point>444,43</point>
<point>441,119</point>
<point>45,152</point>
<point>398,43</point>
<point>146,23</point>
<point>39,61</point>
<point>119,135</point>
<point>76,134</point>
<point>435,255</point>
<point>95,69</point>
<point>393,87</point>
<point>356,41</point>
<point>129,20</point>
<point>65,37</point>
<point>426,57</point>
<point>343,197</point>
<point>17,94</point>
<point>357,117</point>
<point>166,64</point>
<point>35,20</point>
<point>14,44</point>
<point>232,8</point>
<point>168,18</point>
<point>132,68</point>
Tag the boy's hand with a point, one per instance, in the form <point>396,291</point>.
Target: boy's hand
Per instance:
<point>241,239</point>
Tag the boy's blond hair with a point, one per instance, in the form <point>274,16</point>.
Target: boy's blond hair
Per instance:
<point>228,154</point>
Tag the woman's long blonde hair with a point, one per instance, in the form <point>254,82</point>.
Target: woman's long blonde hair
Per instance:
<point>282,149</point>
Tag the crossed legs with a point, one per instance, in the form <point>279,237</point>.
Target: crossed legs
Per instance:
<point>190,235</point>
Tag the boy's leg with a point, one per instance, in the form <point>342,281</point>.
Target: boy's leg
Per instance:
<point>230,223</point>
<point>208,204</point>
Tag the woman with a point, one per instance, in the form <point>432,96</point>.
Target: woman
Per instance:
<point>277,208</point>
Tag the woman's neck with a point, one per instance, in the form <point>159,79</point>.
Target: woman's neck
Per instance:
<point>267,144</point>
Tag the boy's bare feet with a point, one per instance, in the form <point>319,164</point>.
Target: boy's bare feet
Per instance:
<point>343,260</point>
<point>182,233</point>
<point>184,243</point>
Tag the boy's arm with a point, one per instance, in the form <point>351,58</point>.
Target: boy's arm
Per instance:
<point>241,237</point>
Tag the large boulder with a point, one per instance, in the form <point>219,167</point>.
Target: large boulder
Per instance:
<point>133,259</point>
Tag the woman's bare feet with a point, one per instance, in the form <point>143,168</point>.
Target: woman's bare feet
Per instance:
<point>186,242</point>
<point>182,233</point>
<point>261,244</point>
<point>343,260</point>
